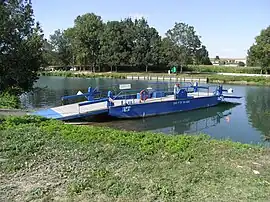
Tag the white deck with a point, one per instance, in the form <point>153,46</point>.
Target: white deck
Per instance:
<point>75,109</point>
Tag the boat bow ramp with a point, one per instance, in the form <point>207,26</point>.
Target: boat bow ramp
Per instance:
<point>72,111</point>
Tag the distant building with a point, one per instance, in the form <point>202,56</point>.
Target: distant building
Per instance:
<point>228,61</point>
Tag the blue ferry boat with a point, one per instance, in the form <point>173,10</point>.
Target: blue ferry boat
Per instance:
<point>146,102</point>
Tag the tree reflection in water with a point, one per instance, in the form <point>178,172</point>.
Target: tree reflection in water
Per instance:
<point>258,109</point>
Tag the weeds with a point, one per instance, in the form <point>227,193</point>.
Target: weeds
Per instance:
<point>258,80</point>
<point>84,75</point>
<point>50,160</point>
<point>222,69</point>
<point>9,101</point>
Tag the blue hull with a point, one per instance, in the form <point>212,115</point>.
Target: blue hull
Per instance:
<point>164,107</point>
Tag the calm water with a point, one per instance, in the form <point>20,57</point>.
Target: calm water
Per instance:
<point>246,122</point>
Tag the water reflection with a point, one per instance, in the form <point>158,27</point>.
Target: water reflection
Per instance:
<point>178,123</point>
<point>246,123</point>
<point>258,109</point>
<point>49,90</point>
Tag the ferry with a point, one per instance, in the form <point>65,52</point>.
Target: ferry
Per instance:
<point>143,103</point>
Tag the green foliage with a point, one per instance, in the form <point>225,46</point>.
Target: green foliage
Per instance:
<point>202,57</point>
<point>259,53</point>
<point>184,36</point>
<point>92,75</point>
<point>88,30</point>
<point>222,69</point>
<point>146,45</point>
<point>112,44</point>
<point>8,101</point>
<point>241,64</point>
<point>146,142</point>
<point>185,46</point>
<point>49,56</point>
<point>258,80</point>
<point>132,43</point>
<point>12,121</point>
<point>257,111</point>
<point>21,46</point>
<point>61,45</point>
<point>93,163</point>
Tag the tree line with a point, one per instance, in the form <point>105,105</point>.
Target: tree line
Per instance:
<point>98,46</point>
<point>95,45</point>
<point>258,54</point>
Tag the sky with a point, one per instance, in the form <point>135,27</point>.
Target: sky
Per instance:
<point>227,28</point>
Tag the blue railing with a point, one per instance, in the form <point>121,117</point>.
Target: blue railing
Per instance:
<point>92,102</point>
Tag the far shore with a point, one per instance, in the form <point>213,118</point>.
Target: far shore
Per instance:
<point>225,78</point>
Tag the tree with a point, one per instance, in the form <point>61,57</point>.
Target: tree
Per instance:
<point>202,57</point>
<point>172,54</point>
<point>146,45</point>
<point>259,52</point>
<point>217,58</point>
<point>21,46</point>
<point>78,51</point>
<point>166,51</point>
<point>87,31</point>
<point>257,107</point>
<point>241,64</point>
<point>62,46</point>
<point>50,57</point>
<point>111,44</point>
<point>185,37</point>
<point>128,35</point>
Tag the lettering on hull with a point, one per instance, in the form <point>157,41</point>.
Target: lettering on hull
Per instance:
<point>181,102</point>
<point>126,109</point>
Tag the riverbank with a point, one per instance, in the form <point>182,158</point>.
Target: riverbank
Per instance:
<point>52,160</point>
<point>210,78</point>
<point>241,80</point>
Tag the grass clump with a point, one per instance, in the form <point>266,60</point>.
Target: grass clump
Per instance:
<point>8,101</point>
<point>258,80</point>
<point>84,74</point>
<point>56,161</point>
<point>222,69</point>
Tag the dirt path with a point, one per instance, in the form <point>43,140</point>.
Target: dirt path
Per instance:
<point>13,112</point>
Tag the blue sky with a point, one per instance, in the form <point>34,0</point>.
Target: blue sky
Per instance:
<point>227,28</point>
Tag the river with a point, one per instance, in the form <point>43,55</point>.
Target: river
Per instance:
<point>245,122</point>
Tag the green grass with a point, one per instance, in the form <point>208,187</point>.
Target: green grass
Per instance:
<point>84,75</point>
<point>45,160</point>
<point>8,101</point>
<point>248,80</point>
<point>222,69</point>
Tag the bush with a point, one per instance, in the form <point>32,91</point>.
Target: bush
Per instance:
<point>241,64</point>
<point>9,101</point>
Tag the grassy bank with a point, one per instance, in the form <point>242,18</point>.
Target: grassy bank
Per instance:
<point>205,69</point>
<point>222,69</point>
<point>243,80</point>
<point>212,78</point>
<point>50,160</point>
<point>84,74</point>
<point>8,101</point>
